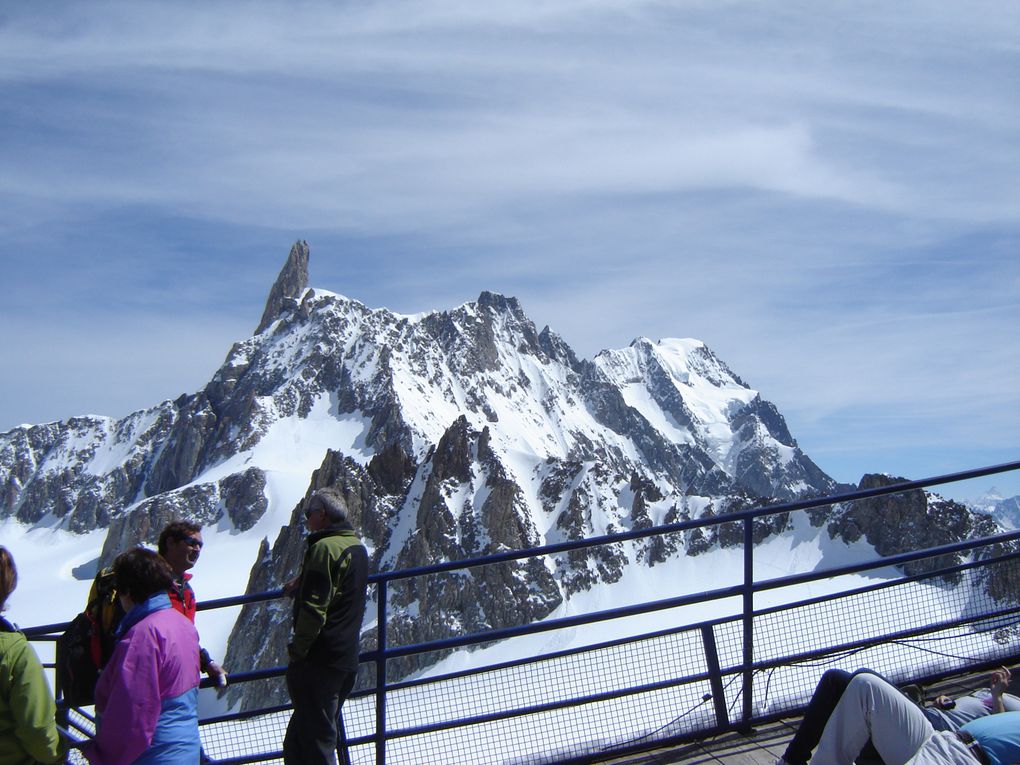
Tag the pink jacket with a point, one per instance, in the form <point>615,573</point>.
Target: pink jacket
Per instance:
<point>154,662</point>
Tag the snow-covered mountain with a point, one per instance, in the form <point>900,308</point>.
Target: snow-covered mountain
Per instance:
<point>1005,510</point>
<point>453,434</point>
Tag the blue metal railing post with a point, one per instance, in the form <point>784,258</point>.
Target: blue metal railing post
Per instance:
<point>722,718</point>
<point>380,678</point>
<point>748,597</point>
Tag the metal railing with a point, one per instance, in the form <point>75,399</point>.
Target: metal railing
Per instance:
<point>698,678</point>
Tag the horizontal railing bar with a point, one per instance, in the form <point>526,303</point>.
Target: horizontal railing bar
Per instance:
<point>732,670</point>
<point>256,674</point>
<point>990,621</point>
<point>733,618</point>
<point>78,727</point>
<point>37,633</point>
<point>44,632</point>
<point>871,642</point>
<point>913,578</point>
<point>891,560</point>
<point>685,600</point>
<point>371,655</point>
<point>240,600</point>
<point>245,715</point>
<point>740,515</point>
<point>556,655</point>
<point>261,757</point>
<point>583,619</point>
<point>561,623</point>
<point>756,720</point>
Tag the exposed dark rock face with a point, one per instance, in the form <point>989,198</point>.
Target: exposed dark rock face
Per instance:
<point>914,520</point>
<point>179,460</point>
<point>493,596</point>
<point>289,285</point>
<point>82,471</point>
<point>432,607</point>
<point>765,471</point>
<point>244,497</point>
<point>261,633</point>
<point>241,496</point>
<point>659,549</point>
<point>142,526</point>
<point>555,349</point>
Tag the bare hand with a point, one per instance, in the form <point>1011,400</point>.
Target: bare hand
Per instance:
<point>999,681</point>
<point>943,702</point>
<point>290,588</point>
<point>213,669</point>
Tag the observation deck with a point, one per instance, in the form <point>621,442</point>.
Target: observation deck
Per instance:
<point>741,657</point>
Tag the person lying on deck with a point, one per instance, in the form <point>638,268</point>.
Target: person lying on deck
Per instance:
<point>945,715</point>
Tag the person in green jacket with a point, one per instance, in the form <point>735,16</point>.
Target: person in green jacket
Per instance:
<point>329,605</point>
<point>28,730</point>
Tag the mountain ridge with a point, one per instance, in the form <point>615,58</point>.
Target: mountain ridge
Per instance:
<point>453,434</point>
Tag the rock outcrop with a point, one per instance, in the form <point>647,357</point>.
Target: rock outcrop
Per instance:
<point>289,285</point>
<point>900,523</point>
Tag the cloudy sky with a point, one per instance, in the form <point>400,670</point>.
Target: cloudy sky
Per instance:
<point>825,193</point>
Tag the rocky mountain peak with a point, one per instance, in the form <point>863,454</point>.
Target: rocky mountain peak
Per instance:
<point>498,302</point>
<point>289,285</point>
<point>453,434</point>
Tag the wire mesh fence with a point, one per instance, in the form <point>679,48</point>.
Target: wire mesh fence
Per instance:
<point>615,696</point>
<point>633,693</point>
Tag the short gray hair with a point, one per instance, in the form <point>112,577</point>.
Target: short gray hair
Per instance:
<point>331,501</point>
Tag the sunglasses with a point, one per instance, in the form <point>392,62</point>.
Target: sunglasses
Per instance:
<point>191,541</point>
<point>310,510</point>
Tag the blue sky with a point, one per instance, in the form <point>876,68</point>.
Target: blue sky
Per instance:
<point>827,197</point>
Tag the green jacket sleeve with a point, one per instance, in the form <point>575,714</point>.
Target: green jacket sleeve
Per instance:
<point>320,577</point>
<point>31,704</point>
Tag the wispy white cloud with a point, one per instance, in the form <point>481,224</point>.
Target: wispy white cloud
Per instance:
<point>333,110</point>
<point>784,183</point>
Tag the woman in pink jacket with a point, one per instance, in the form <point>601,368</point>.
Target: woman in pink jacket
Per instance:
<point>147,695</point>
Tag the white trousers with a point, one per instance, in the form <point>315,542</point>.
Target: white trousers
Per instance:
<point>871,708</point>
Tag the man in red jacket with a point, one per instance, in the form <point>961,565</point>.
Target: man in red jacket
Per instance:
<point>180,544</point>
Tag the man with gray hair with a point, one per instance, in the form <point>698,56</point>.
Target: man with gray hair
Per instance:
<point>329,605</point>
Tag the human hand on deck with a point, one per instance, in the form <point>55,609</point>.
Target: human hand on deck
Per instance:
<point>943,702</point>
<point>998,681</point>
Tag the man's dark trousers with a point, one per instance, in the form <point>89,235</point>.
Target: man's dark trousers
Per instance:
<point>317,693</point>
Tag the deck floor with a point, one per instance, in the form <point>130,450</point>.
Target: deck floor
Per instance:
<point>763,747</point>
<point>767,743</point>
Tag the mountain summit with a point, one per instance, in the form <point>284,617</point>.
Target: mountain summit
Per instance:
<point>289,285</point>
<point>453,434</point>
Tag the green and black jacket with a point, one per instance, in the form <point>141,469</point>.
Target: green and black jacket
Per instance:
<point>330,604</point>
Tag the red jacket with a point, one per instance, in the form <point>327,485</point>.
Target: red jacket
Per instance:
<point>182,598</point>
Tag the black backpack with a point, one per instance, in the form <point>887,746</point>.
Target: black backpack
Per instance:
<point>77,669</point>
<point>87,643</point>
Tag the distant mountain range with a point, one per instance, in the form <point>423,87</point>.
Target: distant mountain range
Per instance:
<point>453,434</point>
<point>1005,510</point>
